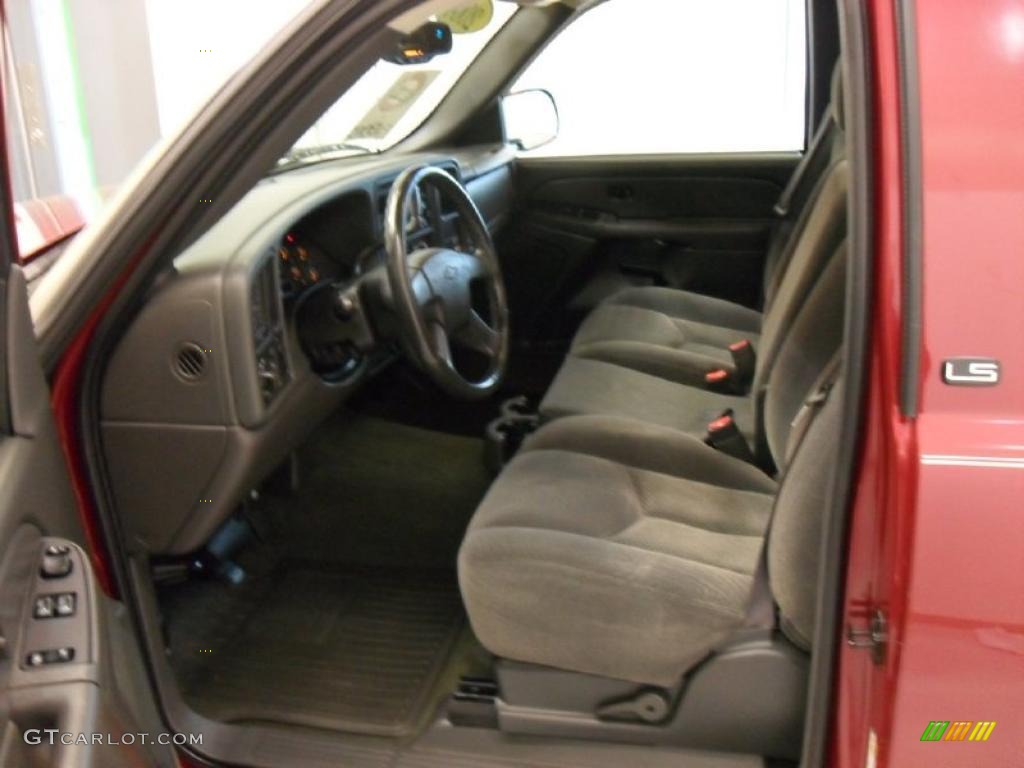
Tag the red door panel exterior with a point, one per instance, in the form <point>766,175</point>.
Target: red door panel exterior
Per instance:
<point>882,516</point>
<point>937,538</point>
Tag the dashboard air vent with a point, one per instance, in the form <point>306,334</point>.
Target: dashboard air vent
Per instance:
<point>190,361</point>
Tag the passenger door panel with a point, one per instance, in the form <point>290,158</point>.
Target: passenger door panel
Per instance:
<point>589,226</point>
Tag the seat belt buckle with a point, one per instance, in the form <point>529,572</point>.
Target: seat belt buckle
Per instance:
<point>724,435</point>
<point>744,361</point>
<point>720,380</point>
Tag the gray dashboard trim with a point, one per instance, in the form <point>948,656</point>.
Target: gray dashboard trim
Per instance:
<point>215,440</point>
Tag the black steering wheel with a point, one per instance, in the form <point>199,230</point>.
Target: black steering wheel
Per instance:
<point>443,297</point>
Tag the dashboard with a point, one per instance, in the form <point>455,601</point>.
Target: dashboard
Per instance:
<point>344,239</point>
<point>304,264</point>
<point>337,242</point>
<point>227,367</point>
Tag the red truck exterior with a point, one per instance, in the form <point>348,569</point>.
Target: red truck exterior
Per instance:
<point>938,525</point>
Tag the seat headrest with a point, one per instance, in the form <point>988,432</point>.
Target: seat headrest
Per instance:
<point>838,110</point>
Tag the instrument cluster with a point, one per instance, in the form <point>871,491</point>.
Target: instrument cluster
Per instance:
<point>302,265</point>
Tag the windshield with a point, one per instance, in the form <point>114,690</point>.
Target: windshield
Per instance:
<point>92,87</point>
<point>391,100</point>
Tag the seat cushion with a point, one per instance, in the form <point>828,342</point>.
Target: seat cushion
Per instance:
<point>614,548</point>
<point>584,386</point>
<point>665,332</point>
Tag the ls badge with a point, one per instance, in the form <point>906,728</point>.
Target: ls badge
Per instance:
<point>971,372</point>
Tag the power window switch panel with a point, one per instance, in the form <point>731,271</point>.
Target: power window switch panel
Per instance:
<point>64,604</point>
<point>44,607</point>
<point>51,656</point>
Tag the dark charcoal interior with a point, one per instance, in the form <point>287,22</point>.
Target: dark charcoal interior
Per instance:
<point>365,650</point>
<point>535,476</point>
<point>349,616</point>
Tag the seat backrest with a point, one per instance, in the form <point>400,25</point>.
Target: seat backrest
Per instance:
<point>793,207</point>
<point>824,230</point>
<point>804,446</point>
<point>817,235</point>
<point>797,200</point>
<point>800,342</point>
<point>808,346</point>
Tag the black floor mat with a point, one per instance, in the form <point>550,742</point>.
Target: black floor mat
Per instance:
<point>404,395</point>
<point>357,650</point>
<point>378,493</point>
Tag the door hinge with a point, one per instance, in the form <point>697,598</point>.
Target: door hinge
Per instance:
<point>874,637</point>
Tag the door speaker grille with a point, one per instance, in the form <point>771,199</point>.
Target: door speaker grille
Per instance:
<point>190,362</point>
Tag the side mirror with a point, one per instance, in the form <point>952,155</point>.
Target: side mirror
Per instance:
<point>531,118</point>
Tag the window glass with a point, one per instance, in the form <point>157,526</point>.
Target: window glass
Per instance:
<point>677,76</point>
<point>93,85</point>
<point>390,101</point>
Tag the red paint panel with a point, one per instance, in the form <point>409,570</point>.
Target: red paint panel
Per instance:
<point>938,536</point>
<point>963,657</point>
<point>972,109</point>
<point>45,222</point>
<point>66,213</point>
<point>65,396</point>
<point>43,218</point>
<point>882,517</point>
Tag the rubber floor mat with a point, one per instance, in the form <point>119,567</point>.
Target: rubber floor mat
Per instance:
<point>349,650</point>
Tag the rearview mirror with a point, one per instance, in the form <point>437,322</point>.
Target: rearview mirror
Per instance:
<point>430,40</point>
<point>531,118</point>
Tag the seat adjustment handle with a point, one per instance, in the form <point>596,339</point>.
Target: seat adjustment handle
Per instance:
<point>649,706</point>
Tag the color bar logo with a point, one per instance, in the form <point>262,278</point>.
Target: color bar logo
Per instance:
<point>959,730</point>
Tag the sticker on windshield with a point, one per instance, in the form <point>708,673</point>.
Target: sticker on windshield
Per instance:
<point>471,17</point>
<point>392,106</point>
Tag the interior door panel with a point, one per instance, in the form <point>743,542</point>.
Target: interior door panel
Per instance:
<point>587,227</point>
<point>66,662</point>
<point>492,192</point>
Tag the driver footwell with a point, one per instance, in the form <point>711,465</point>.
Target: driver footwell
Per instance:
<point>355,649</point>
